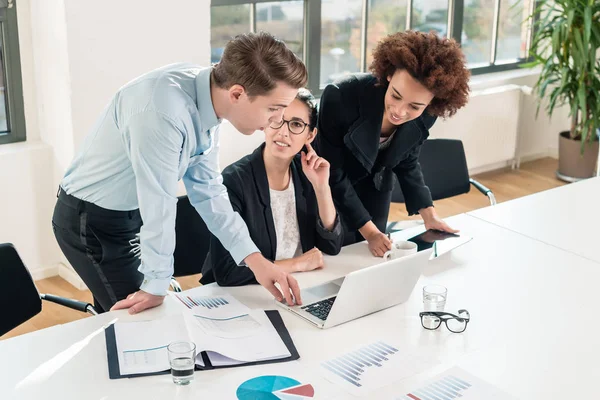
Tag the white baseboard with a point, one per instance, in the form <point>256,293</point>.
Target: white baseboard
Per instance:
<point>64,271</point>
<point>489,167</point>
<point>550,152</point>
<point>69,275</point>
<point>44,272</point>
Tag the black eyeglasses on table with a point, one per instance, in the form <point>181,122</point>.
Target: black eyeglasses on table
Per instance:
<point>432,320</point>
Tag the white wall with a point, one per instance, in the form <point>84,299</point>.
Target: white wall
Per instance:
<point>488,123</point>
<point>26,169</point>
<point>75,54</point>
<point>110,42</point>
<point>26,205</point>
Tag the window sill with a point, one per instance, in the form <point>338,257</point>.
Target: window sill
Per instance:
<point>486,81</point>
<point>489,80</point>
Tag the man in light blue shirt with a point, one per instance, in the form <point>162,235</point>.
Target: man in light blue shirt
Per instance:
<point>115,215</point>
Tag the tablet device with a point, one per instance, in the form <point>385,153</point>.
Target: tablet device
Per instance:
<point>442,242</point>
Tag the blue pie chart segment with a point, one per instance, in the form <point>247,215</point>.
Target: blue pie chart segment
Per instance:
<point>262,387</point>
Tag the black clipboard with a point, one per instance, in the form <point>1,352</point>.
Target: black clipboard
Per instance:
<point>274,316</point>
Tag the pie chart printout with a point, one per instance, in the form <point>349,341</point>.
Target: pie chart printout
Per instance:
<point>273,387</point>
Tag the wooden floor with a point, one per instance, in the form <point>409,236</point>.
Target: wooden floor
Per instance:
<point>506,184</point>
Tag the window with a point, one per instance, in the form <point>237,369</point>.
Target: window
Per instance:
<point>494,32</point>
<point>12,120</point>
<point>337,37</point>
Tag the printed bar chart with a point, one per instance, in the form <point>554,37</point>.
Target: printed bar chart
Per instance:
<point>454,384</point>
<point>447,388</point>
<point>351,366</point>
<point>201,301</point>
<point>372,366</point>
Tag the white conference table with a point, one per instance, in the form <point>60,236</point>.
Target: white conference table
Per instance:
<point>566,217</point>
<point>533,330</point>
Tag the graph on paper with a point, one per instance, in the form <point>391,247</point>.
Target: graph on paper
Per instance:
<point>372,366</point>
<point>456,383</point>
<point>143,357</point>
<point>235,327</point>
<point>202,301</point>
<point>215,307</point>
<point>142,345</point>
<point>273,387</point>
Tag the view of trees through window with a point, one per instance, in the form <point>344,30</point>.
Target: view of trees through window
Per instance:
<point>342,31</point>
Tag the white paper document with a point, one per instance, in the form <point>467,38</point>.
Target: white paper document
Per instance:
<point>142,345</point>
<point>234,327</point>
<point>229,331</point>
<point>264,343</point>
<point>456,383</point>
<point>372,366</point>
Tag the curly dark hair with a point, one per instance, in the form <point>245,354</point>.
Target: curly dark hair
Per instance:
<point>437,63</point>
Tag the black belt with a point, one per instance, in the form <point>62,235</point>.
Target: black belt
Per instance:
<point>82,205</point>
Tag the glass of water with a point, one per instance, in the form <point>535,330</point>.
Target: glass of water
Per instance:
<point>434,299</point>
<point>182,357</point>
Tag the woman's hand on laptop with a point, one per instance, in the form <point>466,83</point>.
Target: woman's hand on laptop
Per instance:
<point>267,275</point>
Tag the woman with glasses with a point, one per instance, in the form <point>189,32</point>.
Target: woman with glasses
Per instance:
<point>284,198</point>
<point>372,126</point>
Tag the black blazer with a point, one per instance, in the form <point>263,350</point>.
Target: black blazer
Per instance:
<point>351,111</point>
<point>248,188</point>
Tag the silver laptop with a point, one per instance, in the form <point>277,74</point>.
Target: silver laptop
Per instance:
<point>361,292</point>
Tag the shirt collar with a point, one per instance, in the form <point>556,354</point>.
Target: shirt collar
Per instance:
<point>204,100</point>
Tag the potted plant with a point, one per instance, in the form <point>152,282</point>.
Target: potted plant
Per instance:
<point>566,39</point>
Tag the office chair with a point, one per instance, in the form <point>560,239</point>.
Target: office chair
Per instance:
<point>19,298</point>
<point>192,240</point>
<point>445,171</point>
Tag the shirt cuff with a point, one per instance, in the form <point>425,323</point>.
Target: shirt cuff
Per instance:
<point>157,287</point>
<point>329,234</point>
<point>243,249</point>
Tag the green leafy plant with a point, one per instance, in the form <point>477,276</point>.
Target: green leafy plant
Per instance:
<point>565,44</point>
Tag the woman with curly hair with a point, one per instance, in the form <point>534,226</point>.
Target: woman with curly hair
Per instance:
<point>372,127</point>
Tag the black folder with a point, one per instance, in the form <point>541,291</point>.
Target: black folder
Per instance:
<point>274,316</point>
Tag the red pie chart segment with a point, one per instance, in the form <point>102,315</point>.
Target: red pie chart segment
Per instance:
<point>304,390</point>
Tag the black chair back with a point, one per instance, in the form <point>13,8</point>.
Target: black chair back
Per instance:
<point>19,297</point>
<point>444,167</point>
<point>192,239</point>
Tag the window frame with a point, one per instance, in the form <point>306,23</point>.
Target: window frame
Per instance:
<point>9,35</point>
<point>312,35</point>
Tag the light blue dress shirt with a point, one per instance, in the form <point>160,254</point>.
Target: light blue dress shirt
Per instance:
<point>158,129</point>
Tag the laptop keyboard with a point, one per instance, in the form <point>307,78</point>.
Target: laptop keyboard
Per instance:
<point>320,309</point>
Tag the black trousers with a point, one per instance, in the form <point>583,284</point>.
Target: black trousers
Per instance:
<point>102,246</point>
<point>377,203</point>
